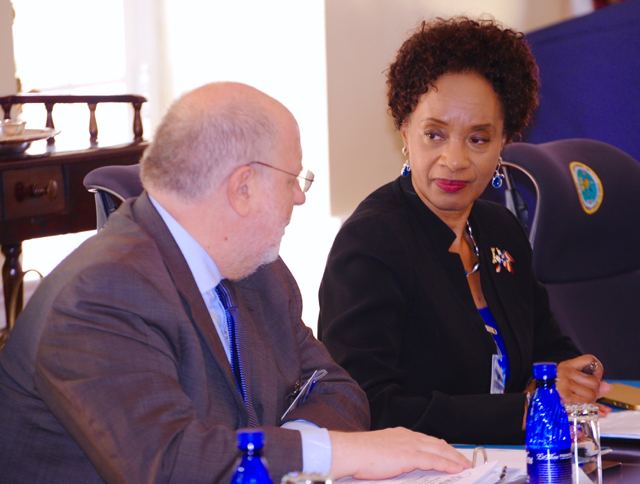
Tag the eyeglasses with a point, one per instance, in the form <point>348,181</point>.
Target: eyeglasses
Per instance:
<point>306,175</point>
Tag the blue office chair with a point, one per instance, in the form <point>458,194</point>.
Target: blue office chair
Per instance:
<point>585,232</point>
<point>112,185</point>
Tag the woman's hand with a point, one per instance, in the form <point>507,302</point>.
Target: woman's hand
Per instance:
<point>576,386</point>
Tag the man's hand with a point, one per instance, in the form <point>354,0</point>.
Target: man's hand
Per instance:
<point>575,386</point>
<point>388,453</point>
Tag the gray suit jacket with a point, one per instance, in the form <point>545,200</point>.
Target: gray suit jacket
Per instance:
<point>114,371</point>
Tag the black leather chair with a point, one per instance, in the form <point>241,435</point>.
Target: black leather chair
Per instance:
<point>585,234</point>
<point>519,193</point>
<point>112,185</point>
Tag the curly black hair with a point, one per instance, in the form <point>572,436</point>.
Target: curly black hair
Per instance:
<point>461,44</point>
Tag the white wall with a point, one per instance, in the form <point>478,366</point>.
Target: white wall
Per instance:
<point>7,80</point>
<point>146,58</point>
<point>7,65</point>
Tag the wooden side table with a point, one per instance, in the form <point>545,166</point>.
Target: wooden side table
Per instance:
<point>41,190</point>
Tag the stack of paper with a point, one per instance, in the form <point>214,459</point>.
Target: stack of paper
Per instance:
<point>479,475</point>
<point>506,466</point>
<point>511,465</point>
<point>621,425</point>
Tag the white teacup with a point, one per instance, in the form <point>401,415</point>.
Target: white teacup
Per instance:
<point>12,127</point>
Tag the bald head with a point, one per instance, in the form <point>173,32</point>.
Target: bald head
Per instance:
<point>209,132</point>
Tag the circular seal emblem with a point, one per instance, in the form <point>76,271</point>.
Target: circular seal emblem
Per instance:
<point>588,185</point>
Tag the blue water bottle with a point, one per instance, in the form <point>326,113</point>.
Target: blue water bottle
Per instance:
<point>548,439</point>
<point>252,468</point>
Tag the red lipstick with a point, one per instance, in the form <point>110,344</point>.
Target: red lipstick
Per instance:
<point>450,186</point>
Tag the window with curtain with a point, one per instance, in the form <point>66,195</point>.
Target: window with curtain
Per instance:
<point>70,47</point>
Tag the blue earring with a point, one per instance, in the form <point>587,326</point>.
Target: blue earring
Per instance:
<point>496,181</point>
<point>406,168</point>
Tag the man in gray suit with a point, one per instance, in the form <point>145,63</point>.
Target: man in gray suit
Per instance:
<point>142,353</point>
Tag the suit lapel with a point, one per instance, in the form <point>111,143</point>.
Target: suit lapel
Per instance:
<point>144,214</point>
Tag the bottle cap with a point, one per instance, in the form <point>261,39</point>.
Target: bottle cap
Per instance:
<point>250,440</point>
<point>545,371</point>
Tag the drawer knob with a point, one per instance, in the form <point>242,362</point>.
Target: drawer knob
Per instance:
<point>36,191</point>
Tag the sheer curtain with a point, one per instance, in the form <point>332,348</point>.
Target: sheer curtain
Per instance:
<point>70,47</point>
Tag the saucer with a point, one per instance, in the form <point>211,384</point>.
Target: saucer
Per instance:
<point>19,143</point>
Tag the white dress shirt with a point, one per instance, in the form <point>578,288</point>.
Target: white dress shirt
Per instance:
<point>316,443</point>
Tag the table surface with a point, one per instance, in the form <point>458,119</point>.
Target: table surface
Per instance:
<point>624,451</point>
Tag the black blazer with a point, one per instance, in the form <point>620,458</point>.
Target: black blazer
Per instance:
<point>397,313</point>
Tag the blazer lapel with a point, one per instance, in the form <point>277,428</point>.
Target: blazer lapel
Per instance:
<point>502,295</point>
<point>436,235</point>
<point>144,213</point>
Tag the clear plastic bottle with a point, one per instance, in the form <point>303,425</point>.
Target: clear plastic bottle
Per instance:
<point>252,468</point>
<point>548,440</point>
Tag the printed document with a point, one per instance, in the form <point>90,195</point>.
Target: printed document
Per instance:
<point>624,424</point>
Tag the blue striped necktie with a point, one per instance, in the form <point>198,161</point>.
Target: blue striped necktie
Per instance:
<point>237,346</point>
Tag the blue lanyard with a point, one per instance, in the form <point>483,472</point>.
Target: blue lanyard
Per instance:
<point>502,349</point>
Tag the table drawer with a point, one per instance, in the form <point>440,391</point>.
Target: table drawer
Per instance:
<point>36,191</point>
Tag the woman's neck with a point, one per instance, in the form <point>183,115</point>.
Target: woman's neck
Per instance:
<point>457,222</point>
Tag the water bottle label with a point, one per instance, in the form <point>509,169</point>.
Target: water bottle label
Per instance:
<point>549,467</point>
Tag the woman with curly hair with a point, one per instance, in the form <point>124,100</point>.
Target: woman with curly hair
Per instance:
<point>429,299</point>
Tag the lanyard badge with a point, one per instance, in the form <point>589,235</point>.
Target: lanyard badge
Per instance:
<point>498,372</point>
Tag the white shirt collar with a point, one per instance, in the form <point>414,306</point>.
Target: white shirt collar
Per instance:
<point>204,269</point>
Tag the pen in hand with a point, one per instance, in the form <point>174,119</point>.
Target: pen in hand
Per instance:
<point>588,370</point>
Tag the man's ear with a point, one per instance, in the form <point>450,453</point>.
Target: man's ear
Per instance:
<point>241,190</point>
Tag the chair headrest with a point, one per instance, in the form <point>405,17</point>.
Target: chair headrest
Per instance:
<point>589,216</point>
<point>120,180</point>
